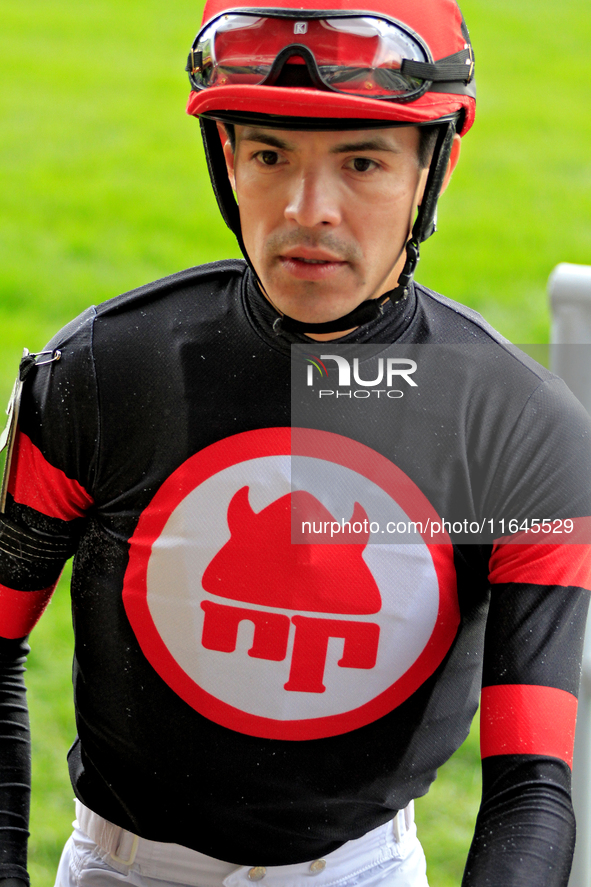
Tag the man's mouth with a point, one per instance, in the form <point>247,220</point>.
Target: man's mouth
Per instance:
<point>310,264</point>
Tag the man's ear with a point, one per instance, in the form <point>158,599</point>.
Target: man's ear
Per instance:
<point>453,160</point>
<point>228,153</point>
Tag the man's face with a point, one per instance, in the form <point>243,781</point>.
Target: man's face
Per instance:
<point>325,216</point>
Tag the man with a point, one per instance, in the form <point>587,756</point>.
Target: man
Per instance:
<point>255,702</point>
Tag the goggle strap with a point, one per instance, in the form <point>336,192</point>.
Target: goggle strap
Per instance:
<point>459,66</point>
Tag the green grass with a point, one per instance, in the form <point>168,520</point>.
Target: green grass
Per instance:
<point>445,817</point>
<point>103,187</point>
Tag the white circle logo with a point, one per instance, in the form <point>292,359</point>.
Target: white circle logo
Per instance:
<point>281,638</point>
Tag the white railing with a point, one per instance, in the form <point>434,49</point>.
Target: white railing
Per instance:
<point>569,288</point>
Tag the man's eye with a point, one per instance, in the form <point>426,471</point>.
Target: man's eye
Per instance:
<point>269,158</point>
<point>363,164</point>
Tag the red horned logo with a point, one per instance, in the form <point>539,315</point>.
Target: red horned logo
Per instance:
<point>260,566</point>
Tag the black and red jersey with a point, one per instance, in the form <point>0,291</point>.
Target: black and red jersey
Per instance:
<point>263,699</point>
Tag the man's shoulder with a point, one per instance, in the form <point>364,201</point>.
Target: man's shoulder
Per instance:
<point>453,323</point>
<point>196,286</point>
<point>459,316</point>
<point>190,281</point>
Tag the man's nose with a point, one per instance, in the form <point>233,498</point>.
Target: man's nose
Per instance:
<point>314,200</point>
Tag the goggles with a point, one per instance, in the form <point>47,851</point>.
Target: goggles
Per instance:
<point>351,53</point>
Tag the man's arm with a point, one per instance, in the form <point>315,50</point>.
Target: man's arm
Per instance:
<point>42,519</point>
<point>14,761</point>
<point>31,561</point>
<point>525,831</point>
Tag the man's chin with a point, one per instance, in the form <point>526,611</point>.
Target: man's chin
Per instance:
<point>312,302</point>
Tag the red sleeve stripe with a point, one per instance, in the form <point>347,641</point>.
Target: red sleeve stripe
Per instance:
<point>541,564</point>
<point>523,719</point>
<point>21,610</point>
<point>36,483</point>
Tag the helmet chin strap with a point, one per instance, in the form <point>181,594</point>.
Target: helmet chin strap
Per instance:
<point>424,227</point>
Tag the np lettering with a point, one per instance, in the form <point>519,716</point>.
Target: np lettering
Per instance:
<point>310,644</point>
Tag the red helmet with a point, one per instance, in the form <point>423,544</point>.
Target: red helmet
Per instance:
<point>394,62</point>
<point>434,26</point>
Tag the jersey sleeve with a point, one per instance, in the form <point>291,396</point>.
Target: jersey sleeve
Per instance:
<point>48,494</point>
<point>535,630</point>
<point>15,767</point>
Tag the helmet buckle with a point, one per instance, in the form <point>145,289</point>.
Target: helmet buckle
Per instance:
<point>194,62</point>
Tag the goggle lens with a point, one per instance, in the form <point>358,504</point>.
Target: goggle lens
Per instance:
<point>358,55</point>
